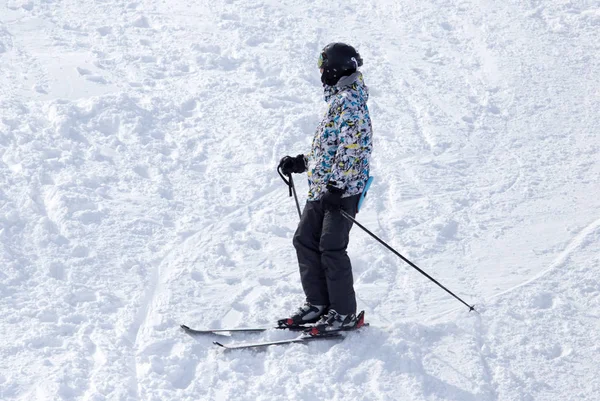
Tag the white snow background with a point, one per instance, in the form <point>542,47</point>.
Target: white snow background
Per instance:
<point>138,191</point>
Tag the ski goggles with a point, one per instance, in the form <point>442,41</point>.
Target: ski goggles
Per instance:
<point>320,61</point>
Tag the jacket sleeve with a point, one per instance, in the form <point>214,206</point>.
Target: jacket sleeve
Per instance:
<point>349,150</point>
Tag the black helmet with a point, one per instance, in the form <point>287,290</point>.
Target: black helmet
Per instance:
<point>338,60</point>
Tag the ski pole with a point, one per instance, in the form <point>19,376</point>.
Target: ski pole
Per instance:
<point>295,195</point>
<point>292,188</point>
<point>290,183</point>
<point>347,216</point>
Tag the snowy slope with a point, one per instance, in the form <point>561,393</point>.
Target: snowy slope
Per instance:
<point>138,142</point>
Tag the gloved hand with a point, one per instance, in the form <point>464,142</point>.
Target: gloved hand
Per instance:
<point>291,164</point>
<point>332,198</point>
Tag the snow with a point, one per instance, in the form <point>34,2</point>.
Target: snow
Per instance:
<point>138,145</point>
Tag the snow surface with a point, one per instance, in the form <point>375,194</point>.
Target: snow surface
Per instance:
<point>138,142</point>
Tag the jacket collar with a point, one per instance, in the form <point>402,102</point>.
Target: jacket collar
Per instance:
<point>344,82</point>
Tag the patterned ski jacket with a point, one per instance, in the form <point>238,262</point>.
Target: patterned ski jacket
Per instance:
<point>342,144</point>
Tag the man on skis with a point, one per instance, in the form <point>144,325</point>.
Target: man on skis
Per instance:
<point>338,170</point>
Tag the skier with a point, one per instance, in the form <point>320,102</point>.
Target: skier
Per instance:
<point>338,169</point>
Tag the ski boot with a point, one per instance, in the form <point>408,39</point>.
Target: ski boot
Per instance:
<point>333,322</point>
<point>306,314</point>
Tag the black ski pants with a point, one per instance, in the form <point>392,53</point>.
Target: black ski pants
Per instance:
<point>325,269</point>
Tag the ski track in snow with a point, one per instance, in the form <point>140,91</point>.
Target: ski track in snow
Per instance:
<point>138,142</point>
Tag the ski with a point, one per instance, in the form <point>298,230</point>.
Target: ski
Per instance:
<point>302,339</point>
<point>196,332</point>
<point>217,331</point>
<point>310,334</point>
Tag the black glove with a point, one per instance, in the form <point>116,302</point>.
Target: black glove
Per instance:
<point>332,198</point>
<point>289,165</point>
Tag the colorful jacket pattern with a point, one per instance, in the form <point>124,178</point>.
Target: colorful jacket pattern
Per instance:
<point>342,144</point>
